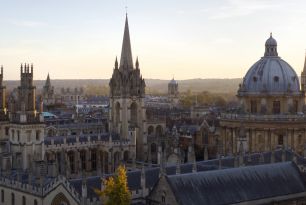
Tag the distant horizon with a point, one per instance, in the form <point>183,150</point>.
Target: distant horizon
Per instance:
<point>187,40</point>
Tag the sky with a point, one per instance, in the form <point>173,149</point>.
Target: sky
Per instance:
<point>80,39</point>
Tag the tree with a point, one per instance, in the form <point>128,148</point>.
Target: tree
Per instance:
<point>116,191</point>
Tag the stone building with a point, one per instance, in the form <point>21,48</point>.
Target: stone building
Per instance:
<point>271,105</point>
<point>72,96</point>
<point>173,92</point>
<point>127,92</point>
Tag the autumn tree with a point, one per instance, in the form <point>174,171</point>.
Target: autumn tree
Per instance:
<point>115,190</point>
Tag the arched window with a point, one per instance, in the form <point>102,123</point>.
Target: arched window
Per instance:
<point>12,198</point>
<point>35,202</point>
<point>23,200</point>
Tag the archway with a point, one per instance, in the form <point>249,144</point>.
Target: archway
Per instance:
<point>159,130</point>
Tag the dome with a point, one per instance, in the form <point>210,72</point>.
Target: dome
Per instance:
<point>270,75</point>
<point>173,82</point>
<point>271,41</point>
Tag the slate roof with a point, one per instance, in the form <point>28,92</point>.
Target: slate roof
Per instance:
<point>228,186</point>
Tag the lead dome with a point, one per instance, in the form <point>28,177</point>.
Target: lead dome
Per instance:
<point>270,75</point>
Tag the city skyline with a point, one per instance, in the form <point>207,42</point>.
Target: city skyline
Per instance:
<point>73,39</point>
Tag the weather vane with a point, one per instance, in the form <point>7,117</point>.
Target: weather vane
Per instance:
<point>126,7</point>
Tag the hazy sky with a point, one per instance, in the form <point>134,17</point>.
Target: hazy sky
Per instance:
<point>187,39</point>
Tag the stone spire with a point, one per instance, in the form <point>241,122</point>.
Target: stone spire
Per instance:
<point>48,82</point>
<point>126,60</point>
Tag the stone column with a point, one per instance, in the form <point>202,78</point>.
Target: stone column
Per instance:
<point>234,148</point>
<point>266,147</point>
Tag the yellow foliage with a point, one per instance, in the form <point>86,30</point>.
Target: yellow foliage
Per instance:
<point>116,191</point>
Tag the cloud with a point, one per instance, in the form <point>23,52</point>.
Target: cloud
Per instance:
<point>237,8</point>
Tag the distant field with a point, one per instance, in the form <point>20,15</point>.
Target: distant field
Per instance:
<point>229,86</point>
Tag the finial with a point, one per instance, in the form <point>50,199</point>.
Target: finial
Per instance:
<point>126,8</point>
<point>271,34</point>
<point>32,68</point>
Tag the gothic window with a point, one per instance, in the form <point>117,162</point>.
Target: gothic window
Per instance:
<point>253,106</point>
<point>71,161</point>
<point>276,107</point>
<point>12,199</point>
<point>280,140</point>
<point>117,114</point>
<point>134,114</point>
<point>2,196</point>
<point>93,160</point>
<point>83,159</point>
<point>23,200</point>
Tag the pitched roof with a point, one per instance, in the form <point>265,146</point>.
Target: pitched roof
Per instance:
<point>236,185</point>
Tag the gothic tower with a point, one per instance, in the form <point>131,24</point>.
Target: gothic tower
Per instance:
<point>26,131</point>
<point>127,92</point>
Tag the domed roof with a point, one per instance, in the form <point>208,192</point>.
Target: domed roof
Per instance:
<point>271,41</point>
<point>270,75</point>
<point>173,81</point>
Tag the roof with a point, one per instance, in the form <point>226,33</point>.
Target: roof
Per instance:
<point>237,184</point>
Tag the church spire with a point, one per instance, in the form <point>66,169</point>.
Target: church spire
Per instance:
<point>126,52</point>
<point>48,82</point>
